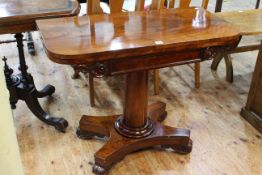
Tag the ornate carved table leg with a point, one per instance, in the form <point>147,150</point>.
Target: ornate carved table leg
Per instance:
<point>30,44</point>
<point>22,87</point>
<point>133,130</point>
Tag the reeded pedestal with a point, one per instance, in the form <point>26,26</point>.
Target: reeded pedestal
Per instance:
<point>138,128</point>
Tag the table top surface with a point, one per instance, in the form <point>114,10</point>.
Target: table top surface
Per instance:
<point>13,10</point>
<point>20,15</point>
<point>248,22</point>
<point>103,37</point>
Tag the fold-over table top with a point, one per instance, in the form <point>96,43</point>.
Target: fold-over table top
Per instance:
<point>94,38</point>
<point>19,15</point>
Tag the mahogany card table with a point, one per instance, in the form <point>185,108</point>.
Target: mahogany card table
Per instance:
<point>132,44</point>
<point>17,16</point>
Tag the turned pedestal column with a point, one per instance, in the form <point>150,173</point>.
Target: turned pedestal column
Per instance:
<point>134,130</point>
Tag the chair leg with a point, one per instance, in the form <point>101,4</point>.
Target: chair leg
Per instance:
<point>76,72</point>
<point>156,81</point>
<point>197,75</point>
<point>91,90</point>
<point>229,68</point>
<point>216,61</point>
<point>30,44</point>
<point>257,4</point>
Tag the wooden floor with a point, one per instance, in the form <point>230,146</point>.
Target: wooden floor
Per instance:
<point>224,143</point>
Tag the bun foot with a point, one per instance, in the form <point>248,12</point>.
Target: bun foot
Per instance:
<point>181,149</point>
<point>118,146</point>
<point>87,135</point>
<point>99,170</point>
<point>84,135</point>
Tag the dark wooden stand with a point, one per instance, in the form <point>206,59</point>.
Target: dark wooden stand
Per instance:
<point>30,44</point>
<point>22,87</point>
<point>133,130</point>
<point>253,110</point>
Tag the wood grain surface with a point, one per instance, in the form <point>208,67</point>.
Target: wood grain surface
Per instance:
<point>106,37</point>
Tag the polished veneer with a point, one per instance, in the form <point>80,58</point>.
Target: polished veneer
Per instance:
<point>131,43</point>
<point>110,37</point>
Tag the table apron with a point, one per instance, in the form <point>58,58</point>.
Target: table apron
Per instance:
<point>13,29</point>
<point>153,62</point>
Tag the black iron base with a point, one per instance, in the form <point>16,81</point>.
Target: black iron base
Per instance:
<point>22,87</point>
<point>25,90</point>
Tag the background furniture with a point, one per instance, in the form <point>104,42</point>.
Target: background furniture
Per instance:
<point>219,4</point>
<point>30,43</point>
<point>162,4</point>
<point>249,23</point>
<point>252,112</point>
<point>20,16</point>
<point>134,52</point>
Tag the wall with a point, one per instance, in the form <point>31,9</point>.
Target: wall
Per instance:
<point>10,162</point>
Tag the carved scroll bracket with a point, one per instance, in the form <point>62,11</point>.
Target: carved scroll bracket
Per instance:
<point>213,52</point>
<point>81,68</point>
<point>210,53</point>
<point>99,70</point>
